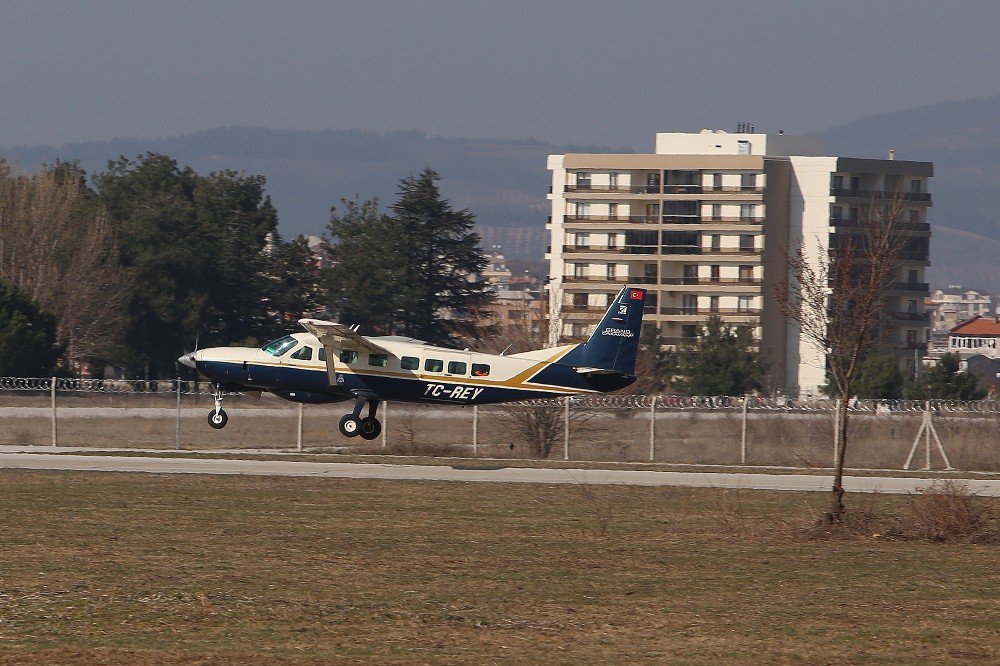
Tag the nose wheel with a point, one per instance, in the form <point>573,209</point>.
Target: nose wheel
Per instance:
<point>217,418</point>
<point>352,425</point>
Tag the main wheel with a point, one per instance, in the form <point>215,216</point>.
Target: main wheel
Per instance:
<point>218,420</point>
<point>350,426</point>
<point>370,428</point>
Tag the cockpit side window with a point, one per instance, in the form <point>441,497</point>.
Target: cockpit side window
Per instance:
<point>280,346</point>
<point>304,354</point>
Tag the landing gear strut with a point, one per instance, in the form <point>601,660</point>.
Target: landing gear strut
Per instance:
<point>352,425</point>
<point>217,418</point>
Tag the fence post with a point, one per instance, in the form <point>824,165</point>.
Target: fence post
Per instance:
<point>385,421</point>
<point>298,431</point>
<point>566,428</point>
<point>475,431</point>
<point>652,430</point>
<point>55,441</point>
<point>177,421</point>
<point>743,431</point>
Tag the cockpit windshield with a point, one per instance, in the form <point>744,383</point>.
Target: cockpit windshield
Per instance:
<point>280,346</point>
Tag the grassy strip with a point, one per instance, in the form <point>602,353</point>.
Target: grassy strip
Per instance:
<point>120,568</point>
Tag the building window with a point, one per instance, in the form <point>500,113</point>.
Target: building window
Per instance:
<point>748,181</point>
<point>613,179</point>
<point>837,182</point>
<point>583,179</point>
<point>612,268</point>
<point>911,306</point>
<point>582,239</point>
<point>690,304</point>
<point>855,183</point>
<point>746,241</point>
<point>713,303</point>
<point>915,185</point>
<point>582,208</point>
<point>613,210</point>
<point>744,303</point>
<point>836,213</point>
<point>911,335</point>
<point>579,270</point>
<point>716,241</point>
<point>743,148</point>
<point>715,273</point>
<point>716,181</point>
<point>746,273</point>
<point>748,211</point>
<point>716,212</point>
<point>914,216</point>
<point>912,276</point>
<point>612,240</point>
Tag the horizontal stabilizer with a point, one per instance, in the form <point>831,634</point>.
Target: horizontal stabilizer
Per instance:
<point>597,371</point>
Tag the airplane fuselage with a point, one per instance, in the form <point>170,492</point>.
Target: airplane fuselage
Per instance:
<point>440,375</point>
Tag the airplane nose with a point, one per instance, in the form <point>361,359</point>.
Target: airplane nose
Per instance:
<point>188,360</point>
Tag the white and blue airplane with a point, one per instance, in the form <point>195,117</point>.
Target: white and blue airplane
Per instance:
<point>331,362</point>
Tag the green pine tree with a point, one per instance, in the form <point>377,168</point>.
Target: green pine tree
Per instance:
<point>945,381</point>
<point>721,361</point>
<point>27,336</point>
<point>879,378</point>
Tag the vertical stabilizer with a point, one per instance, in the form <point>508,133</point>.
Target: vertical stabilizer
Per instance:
<point>615,342</point>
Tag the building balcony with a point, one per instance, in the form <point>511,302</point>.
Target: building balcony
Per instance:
<point>732,189</point>
<point>603,279</point>
<point>705,312</point>
<point>908,346</point>
<point>680,252</point>
<point>711,282</point>
<point>914,227</point>
<point>645,250</point>
<point>881,195</point>
<point>623,189</point>
<point>612,219</point>
<point>922,317</point>
<point>682,189</point>
<point>916,287</point>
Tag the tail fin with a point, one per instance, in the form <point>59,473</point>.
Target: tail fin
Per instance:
<point>615,342</point>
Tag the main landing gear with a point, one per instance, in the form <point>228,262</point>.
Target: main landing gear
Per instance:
<point>353,425</point>
<point>217,418</point>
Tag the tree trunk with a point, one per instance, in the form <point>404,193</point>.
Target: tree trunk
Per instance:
<point>837,504</point>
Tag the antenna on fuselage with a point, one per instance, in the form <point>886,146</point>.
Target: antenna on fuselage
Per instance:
<point>506,348</point>
<point>355,327</point>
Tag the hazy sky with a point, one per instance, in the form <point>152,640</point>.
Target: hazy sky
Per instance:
<point>608,73</point>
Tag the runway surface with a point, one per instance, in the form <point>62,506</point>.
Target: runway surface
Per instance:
<point>492,473</point>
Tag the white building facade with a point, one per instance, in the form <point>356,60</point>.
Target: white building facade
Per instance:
<point>704,222</point>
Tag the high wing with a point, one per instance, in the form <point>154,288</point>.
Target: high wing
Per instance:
<point>333,336</point>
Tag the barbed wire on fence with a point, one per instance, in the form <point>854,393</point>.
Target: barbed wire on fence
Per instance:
<point>601,402</point>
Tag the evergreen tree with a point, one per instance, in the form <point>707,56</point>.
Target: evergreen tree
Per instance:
<point>442,260</point>
<point>945,381</point>
<point>27,336</point>
<point>365,282</point>
<point>879,378</point>
<point>721,361</point>
<point>201,250</point>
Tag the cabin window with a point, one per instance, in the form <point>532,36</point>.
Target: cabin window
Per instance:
<point>480,370</point>
<point>409,363</point>
<point>457,368</point>
<point>303,354</point>
<point>322,353</point>
<point>348,356</point>
<point>434,365</point>
<point>378,360</point>
<point>280,346</point>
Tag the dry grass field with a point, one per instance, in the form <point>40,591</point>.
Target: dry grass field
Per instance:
<point>141,569</point>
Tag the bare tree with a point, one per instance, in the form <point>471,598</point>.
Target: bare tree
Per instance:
<point>58,247</point>
<point>838,302</point>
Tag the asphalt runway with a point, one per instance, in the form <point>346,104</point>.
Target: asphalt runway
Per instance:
<point>474,472</point>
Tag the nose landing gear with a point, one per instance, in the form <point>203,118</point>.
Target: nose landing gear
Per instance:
<point>217,418</point>
<point>351,425</point>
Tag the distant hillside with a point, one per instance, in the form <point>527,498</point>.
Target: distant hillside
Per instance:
<point>962,139</point>
<point>503,182</point>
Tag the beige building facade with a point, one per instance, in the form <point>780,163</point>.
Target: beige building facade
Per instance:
<point>703,223</point>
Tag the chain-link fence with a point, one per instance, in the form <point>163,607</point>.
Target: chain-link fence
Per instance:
<point>625,428</point>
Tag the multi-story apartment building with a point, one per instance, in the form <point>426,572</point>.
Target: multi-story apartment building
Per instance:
<point>953,305</point>
<point>704,222</point>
